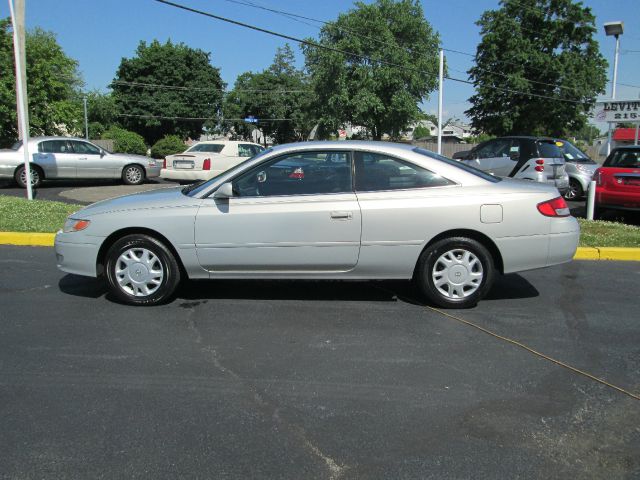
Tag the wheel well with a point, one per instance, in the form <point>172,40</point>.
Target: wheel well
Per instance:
<point>33,165</point>
<point>115,236</point>
<point>475,235</point>
<point>144,170</point>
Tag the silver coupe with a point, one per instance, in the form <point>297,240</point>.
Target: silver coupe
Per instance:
<point>325,210</point>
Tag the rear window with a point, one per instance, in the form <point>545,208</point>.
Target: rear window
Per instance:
<point>627,158</point>
<point>17,145</point>
<point>460,165</point>
<point>549,150</point>
<point>206,147</point>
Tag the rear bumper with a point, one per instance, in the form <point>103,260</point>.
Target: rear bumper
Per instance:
<point>190,175</point>
<point>622,200</point>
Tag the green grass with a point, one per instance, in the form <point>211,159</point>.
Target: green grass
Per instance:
<point>21,215</point>
<point>598,233</point>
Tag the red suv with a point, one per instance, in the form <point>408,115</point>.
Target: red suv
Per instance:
<point>618,180</point>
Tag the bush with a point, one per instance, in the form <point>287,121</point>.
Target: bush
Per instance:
<point>125,141</point>
<point>167,146</point>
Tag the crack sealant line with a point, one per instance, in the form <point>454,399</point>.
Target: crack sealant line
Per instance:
<point>535,352</point>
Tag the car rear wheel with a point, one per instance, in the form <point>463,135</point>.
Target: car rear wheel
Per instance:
<point>21,176</point>
<point>133,175</point>
<point>455,272</point>
<point>575,190</point>
<point>141,270</point>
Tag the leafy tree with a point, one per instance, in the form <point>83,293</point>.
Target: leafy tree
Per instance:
<point>125,141</point>
<point>538,68</point>
<point>147,106</point>
<point>421,132</point>
<point>280,93</point>
<point>167,146</point>
<point>101,112</point>
<point>53,84</point>
<point>362,90</point>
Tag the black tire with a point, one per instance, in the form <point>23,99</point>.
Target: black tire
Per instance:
<point>36,177</point>
<point>133,175</point>
<point>575,190</point>
<point>147,288</point>
<point>477,275</point>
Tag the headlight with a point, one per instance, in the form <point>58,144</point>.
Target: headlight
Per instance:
<point>75,225</point>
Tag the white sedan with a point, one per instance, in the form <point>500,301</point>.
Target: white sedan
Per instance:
<point>325,210</point>
<point>207,159</point>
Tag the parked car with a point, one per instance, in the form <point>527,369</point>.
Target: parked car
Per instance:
<point>205,160</point>
<point>579,167</point>
<point>73,158</point>
<point>618,181</point>
<point>529,158</point>
<point>325,210</point>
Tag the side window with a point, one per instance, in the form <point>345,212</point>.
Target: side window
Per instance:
<point>302,173</point>
<point>514,149</point>
<point>376,172</point>
<point>256,149</point>
<point>245,150</point>
<point>83,147</point>
<point>549,150</point>
<point>54,146</point>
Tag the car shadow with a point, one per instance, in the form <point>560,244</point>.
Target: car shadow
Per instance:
<point>78,183</point>
<point>511,286</point>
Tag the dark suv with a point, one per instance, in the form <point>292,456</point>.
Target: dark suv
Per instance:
<point>530,158</point>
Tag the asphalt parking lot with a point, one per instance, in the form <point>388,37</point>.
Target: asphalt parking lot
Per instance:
<point>331,380</point>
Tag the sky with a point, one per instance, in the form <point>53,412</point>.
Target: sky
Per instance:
<point>98,34</point>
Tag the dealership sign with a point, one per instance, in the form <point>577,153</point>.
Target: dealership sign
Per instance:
<point>617,111</point>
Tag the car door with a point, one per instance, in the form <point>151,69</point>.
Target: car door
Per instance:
<point>492,155</point>
<point>295,213</point>
<point>56,158</point>
<point>506,157</point>
<point>91,163</point>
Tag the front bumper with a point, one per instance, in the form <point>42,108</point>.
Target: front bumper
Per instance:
<point>77,253</point>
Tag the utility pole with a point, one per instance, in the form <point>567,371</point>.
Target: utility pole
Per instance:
<point>441,84</point>
<point>17,21</point>
<point>86,123</point>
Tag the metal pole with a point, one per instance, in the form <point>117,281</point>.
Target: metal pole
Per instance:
<point>613,87</point>
<point>86,123</point>
<point>441,84</point>
<point>635,141</point>
<point>21,89</point>
<point>591,199</point>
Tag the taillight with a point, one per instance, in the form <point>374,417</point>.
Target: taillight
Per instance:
<point>206,165</point>
<point>556,207</point>
<point>540,165</point>
<point>298,173</point>
<point>597,176</point>
<point>164,163</point>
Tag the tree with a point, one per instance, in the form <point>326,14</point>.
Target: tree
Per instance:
<point>279,96</point>
<point>362,90</point>
<point>101,113</point>
<point>538,68</point>
<point>53,84</point>
<point>167,89</point>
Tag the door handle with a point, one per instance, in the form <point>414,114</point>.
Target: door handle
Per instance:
<point>341,215</point>
<point>82,158</point>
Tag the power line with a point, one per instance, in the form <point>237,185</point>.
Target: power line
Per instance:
<point>628,85</point>
<point>204,89</point>
<point>218,119</point>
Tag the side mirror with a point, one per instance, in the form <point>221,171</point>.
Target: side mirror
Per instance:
<point>102,153</point>
<point>224,191</point>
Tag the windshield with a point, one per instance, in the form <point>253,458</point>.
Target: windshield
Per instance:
<point>206,147</point>
<point>572,153</point>
<point>457,164</point>
<point>196,188</point>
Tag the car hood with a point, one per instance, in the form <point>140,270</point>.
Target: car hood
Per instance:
<point>159,198</point>
<point>130,156</point>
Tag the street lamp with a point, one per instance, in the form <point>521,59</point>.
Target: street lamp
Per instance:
<point>616,29</point>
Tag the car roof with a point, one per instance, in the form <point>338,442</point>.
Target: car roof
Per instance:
<point>528,137</point>
<point>344,145</point>
<point>223,142</point>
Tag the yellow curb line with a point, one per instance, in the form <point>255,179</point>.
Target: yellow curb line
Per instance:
<point>27,238</point>
<point>583,253</point>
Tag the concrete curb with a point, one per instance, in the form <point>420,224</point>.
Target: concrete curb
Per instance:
<point>583,253</point>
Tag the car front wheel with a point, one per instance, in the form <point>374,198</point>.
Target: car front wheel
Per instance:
<point>141,270</point>
<point>455,272</point>
<point>133,175</point>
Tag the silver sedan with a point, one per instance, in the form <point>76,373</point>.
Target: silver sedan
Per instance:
<point>325,210</point>
<point>73,158</point>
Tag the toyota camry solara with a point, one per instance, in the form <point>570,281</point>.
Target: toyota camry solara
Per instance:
<point>325,210</point>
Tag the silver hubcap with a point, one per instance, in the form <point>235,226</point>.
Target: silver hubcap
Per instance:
<point>133,174</point>
<point>572,192</point>
<point>457,273</point>
<point>34,176</point>
<point>139,272</point>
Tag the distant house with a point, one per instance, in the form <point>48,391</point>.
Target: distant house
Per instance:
<point>624,136</point>
<point>454,132</point>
